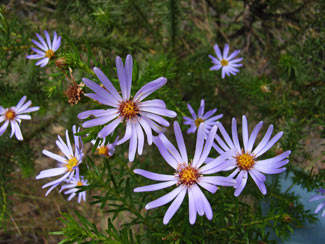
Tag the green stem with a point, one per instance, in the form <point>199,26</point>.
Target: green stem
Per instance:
<point>247,224</point>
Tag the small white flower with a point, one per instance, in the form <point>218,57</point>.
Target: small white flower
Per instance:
<point>14,115</point>
<point>207,119</point>
<point>227,63</point>
<point>67,165</point>
<point>72,187</point>
<point>106,150</point>
<point>48,48</point>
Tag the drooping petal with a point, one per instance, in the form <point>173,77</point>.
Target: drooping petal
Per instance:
<point>140,136</point>
<point>146,128</point>
<point>209,187</point>
<point>260,184</point>
<point>133,143</point>
<point>164,199</point>
<point>18,134</point>
<point>206,206</point>
<point>128,133</point>
<point>4,127</point>
<point>108,129</point>
<point>174,206</point>
<point>192,207</point>
<point>242,179</point>
<point>155,117</point>
<point>197,198</point>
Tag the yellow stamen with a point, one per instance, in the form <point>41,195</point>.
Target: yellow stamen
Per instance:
<point>79,183</point>
<point>10,114</point>
<point>103,151</point>
<point>245,161</point>
<point>72,162</point>
<point>224,62</point>
<point>188,175</point>
<point>198,121</point>
<point>49,53</point>
<point>128,109</point>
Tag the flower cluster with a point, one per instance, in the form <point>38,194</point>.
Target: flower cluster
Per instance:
<point>142,118</point>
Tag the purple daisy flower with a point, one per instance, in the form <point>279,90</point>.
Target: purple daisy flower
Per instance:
<point>139,115</point>
<point>72,187</point>
<point>244,160</point>
<point>207,119</point>
<point>227,63</point>
<point>14,115</point>
<point>48,48</point>
<point>317,197</point>
<point>189,175</point>
<point>106,150</point>
<point>68,164</point>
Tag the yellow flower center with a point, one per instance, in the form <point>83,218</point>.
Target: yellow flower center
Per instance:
<point>198,121</point>
<point>72,162</point>
<point>103,151</point>
<point>79,183</point>
<point>128,109</point>
<point>49,53</point>
<point>224,62</point>
<point>10,114</point>
<point>245,161</point>
<point>188,175</point>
